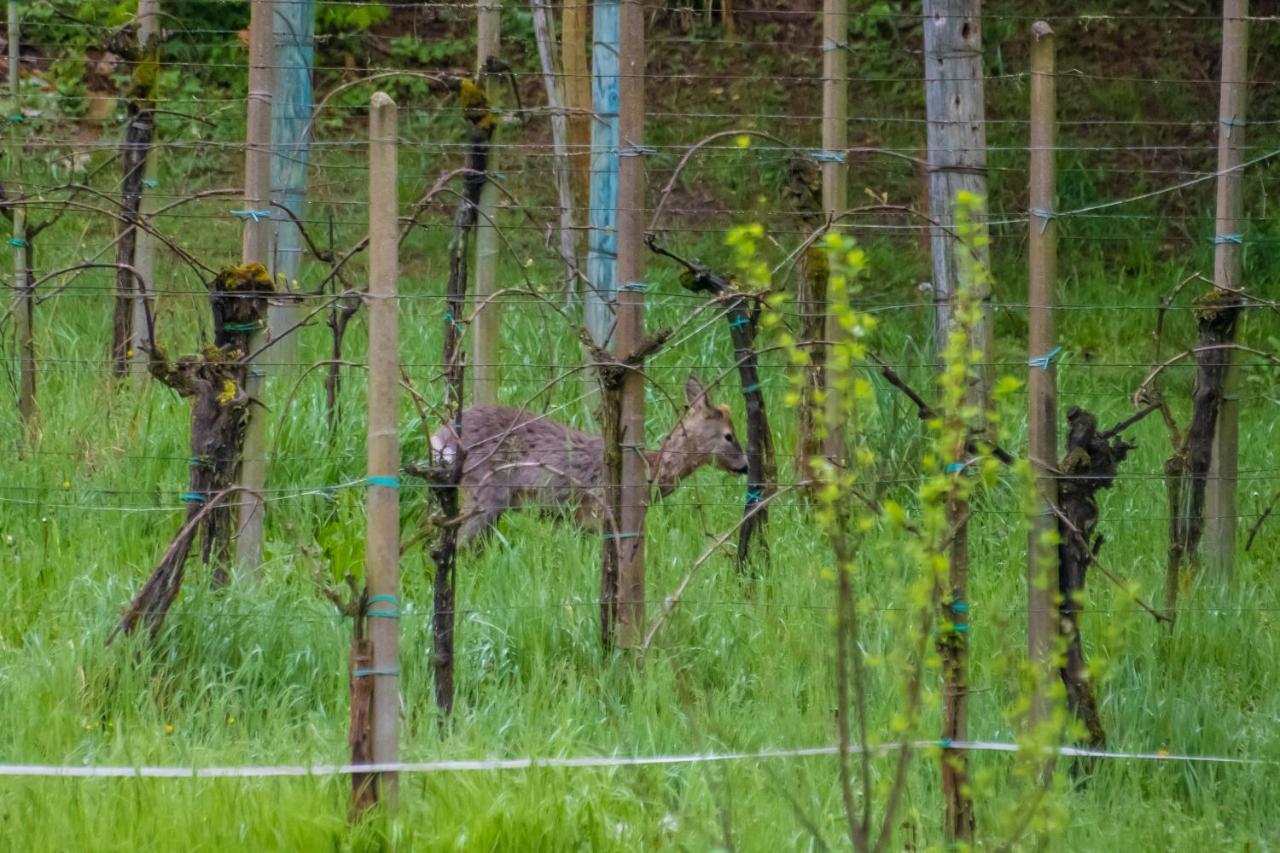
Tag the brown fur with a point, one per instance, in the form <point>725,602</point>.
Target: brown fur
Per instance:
<point>516,457</point>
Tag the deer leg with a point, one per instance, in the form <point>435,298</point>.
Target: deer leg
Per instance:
<point>479,524</point>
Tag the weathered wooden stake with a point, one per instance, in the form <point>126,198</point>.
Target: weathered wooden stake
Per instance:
<point>560,142</point>
<point>135,149</point>
<point>24,298</point>
<point>577,94</point>
<point>486,331</point>
<point>835,174</point>
<point>602,256</point>
<point>144,250</point>
<point>630,322</point>
<point>382,550</point>
<point>256,248</point>
<point>293,51</point>
<point>1228,256</point>
<point>1042,396</point>
<point>957,138</point>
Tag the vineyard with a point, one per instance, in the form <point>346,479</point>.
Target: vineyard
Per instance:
<point>637,425</point>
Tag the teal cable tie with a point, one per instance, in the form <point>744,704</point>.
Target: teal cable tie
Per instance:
<point>150,183</point>
<point>363,673</point>
<point>18,243</point>
<point>827,156</point>
<point>392,613</point>
<point>193,497</point>
<point>739,321</point>
<point>389,482</point>
<point>754,497</point>
<point>959,607</point>
<point>953,467</point>
<point>960,629</point>
<point>622,536</point>
<point>449,318</point>
<point>251,326</point>
<point>1043,361</point>
<point>945,743</point>
<point>255,215</point>
<point>17,117</point>
<point>636,150</point>
<point>1219,239</point>
<point>635,286</point>
<point>754,386</point>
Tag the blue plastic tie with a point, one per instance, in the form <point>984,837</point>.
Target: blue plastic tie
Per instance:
<point>150,183</point>
<point>362,673</point>
<point>827,156</point>
<point>960,629</point>
<point>1045,215</point>
<point>754,497</point>
<point>255,215</point>
<point>959,607</point>
<point>449,318</point>
<point>193,497</point>
<point>739,321</point>
<point>1043,361</point>
<point>1219,239</point>
<point>622,536</point>
<point>636,150</point>
<point>635,286</point>
<point>18,243</point>
<point>393,613</point>
<point>754,386</point>
<point>17,117</point>
<point>389,482</point>
<point>954,467</point>
<point>945,743</point>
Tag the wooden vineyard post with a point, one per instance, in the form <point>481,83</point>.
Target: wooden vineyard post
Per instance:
<point>957,139</point>
<point>577,93</point>
<point>144,252</point>
<point>256,249</point>
<point>486,328</point>
<point>559,135</point>
<point>835,175</point>
<point>135,150</point>
<point>630,323</point>
<point>24,299</point>
<point>1220,504</point>
<point>382,551</point>
<point>1042,395</point>
<point>293,47</point>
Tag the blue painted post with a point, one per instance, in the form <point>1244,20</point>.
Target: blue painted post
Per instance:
<point>602,254</point>
<point>293,55</point>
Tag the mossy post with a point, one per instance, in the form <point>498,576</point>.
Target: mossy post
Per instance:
<point>382,550</point>
<point>135,150</point>
<point>1228,255</point>
<point>633,494</point>
<point>835,174</point>
<point>144,251</point>
<point>486,331</point>
<point>24,298</point>
<point>256,248</point>
<point>1042,394</point>
<point>957,138</point>
<point>293,52</point>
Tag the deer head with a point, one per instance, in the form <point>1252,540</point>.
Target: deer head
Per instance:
<point>704,436</point>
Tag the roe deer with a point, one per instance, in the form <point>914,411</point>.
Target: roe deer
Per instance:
<point>516,457</point>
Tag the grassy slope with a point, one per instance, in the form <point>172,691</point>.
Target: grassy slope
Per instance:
<point>256,673</point>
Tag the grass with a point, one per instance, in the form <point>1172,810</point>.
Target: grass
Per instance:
<point>255,673</point>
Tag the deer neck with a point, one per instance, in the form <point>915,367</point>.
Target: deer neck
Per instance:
<point>667,468</point>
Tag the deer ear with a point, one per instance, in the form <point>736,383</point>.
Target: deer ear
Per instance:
<point>694,392</point>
